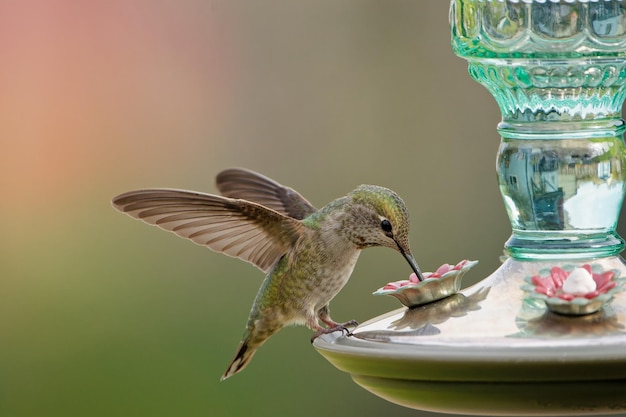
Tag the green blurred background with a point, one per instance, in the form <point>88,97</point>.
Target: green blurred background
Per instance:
<point>102,315</point>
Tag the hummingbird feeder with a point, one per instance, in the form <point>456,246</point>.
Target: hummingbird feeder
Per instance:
<point>544,334</point>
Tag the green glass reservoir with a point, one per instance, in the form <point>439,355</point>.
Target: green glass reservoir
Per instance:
<point>557,71</point>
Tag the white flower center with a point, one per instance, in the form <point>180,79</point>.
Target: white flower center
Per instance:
<point>579,282</point>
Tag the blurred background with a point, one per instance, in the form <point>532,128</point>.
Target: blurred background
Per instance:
<point>102,315</point>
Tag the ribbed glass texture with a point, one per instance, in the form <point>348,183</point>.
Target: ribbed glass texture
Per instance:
<point>557,70</point>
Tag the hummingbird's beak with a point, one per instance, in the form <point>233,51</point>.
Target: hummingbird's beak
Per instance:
<point>411,260</point>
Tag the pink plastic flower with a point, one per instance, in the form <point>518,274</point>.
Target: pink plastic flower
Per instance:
<point>551,285</point>
<point>442,283</point>
<point>413,280</point>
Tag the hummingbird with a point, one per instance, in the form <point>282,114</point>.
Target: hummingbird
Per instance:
<point>307,254</point>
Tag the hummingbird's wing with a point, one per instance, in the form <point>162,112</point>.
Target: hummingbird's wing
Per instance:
<point>237,228</point>
<point>252,186</point>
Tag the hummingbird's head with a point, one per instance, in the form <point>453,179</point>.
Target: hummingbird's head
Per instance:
<point>377,216</point>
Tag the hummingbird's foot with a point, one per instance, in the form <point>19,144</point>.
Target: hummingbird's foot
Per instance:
<point>336,328</point>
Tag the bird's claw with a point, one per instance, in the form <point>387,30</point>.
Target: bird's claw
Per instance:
<point>339,327</point>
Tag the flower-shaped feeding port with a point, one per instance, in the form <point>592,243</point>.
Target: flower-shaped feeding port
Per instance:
<point>442,283</point>
<point>573,290</point>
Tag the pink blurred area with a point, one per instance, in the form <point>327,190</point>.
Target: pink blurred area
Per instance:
<point>93,89</point>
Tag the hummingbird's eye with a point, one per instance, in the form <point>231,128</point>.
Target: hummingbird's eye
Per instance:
<point>386,226</point>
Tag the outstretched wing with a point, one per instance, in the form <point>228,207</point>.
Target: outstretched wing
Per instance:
<point>237,228</point>
<point>252,186</point>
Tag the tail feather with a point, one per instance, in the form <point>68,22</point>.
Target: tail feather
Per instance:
<point>243,356</point>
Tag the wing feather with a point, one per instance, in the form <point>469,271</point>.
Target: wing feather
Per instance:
<point>235,227</point>
<point>251,186</point>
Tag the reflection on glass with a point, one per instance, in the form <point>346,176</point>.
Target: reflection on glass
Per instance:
<point>570,185</point>
<point>534,321</point>
<point>421,320</point>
